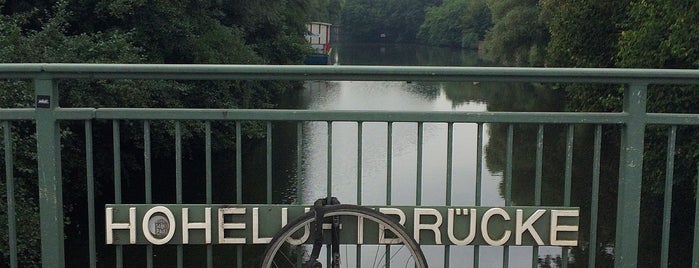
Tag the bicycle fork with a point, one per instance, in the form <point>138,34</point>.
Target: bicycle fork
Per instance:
<point>334,245</point>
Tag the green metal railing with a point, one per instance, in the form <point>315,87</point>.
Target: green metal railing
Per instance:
<point>632,121</point>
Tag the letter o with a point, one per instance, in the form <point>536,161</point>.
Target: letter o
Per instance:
<point>171,228</point>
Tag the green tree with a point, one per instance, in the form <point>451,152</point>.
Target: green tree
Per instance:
<point>583,33</point>
<point>384,20</point>
<point>660,34</point>
<point>19,44</point>
<point>663,34</point>
<point>134,31</point>
<point>639,34</point>
<point>183,31</point>
<point>456,23</point>
<point>360,20</point>
<point>325,10</point>
<point>519,35</point>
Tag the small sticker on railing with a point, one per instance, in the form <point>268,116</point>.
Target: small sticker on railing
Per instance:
<point>43,101</point>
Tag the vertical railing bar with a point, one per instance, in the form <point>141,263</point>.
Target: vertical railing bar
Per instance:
<point>117,182</point>
<point>299,162</point>
<point>207,151</point>
<point>239,181</point>
<point>538,182</point>
<point>568,183</point>
<point>269,162</point>
<point>178,182</point>
<point>620,191</point>
<point>508,185</point>
<point>359,182</point>
<point>329,181</point>
<point>569,166</point>
<point>389,173</point>
<point>667,208</point>
<point>594,202</point>
<point>479,163</point>
<point>148,181</point>
<point>178,162</point>
<point>209,186</point>
<point>479,175</point>
<point>539,165</point>
<point>418,176</point>
<point>508,165</point>
<point>359,162</point>
<point>117,161</point>
<point>10,184</point>
<point>450,170</point>
<point>238,163</point>
<point>389,162</point>
<point>695,250</point>
<point>299,172</point>
<point>90,174</point>
<point>147,161</point>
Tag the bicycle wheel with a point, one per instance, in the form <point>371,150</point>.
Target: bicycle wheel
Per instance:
<point>286,249</point>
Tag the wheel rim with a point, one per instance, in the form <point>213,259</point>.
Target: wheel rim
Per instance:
<point>281,253</point>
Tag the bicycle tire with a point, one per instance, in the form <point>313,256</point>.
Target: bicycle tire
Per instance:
<point>281,238</point>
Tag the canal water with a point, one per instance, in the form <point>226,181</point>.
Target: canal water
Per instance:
<point>413,96</point>
<point>480,96</point>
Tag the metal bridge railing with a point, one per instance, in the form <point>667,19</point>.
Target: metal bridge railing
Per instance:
<point>633,122</point>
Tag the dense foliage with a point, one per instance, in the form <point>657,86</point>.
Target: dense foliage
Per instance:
<point>456,23</point>
<point>597,34</point>
<point>518,36</point>
<point>638,34</point>
<point>583,33</point>
<point>383,20</point>
<point>137,31</point>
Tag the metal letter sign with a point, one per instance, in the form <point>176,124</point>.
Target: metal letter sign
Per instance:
<point>256,224</point>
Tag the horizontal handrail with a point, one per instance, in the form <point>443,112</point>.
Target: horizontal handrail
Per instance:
<point>349,115</point>
<point>355,73</point>
<point>339,115</point>
<point>17,114</point>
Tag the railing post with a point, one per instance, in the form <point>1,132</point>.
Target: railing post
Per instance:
<point>630,176</point>
<point>49,166</point>
<point>10,185</point>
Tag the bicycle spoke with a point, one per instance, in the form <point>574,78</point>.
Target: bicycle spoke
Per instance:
<point>376,255</point>
<point>408,249</point>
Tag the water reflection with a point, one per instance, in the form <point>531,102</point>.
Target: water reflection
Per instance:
<point>401,171</point>
<point>404,159</point>
<point>486,96</point>
<point>403,163</point>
